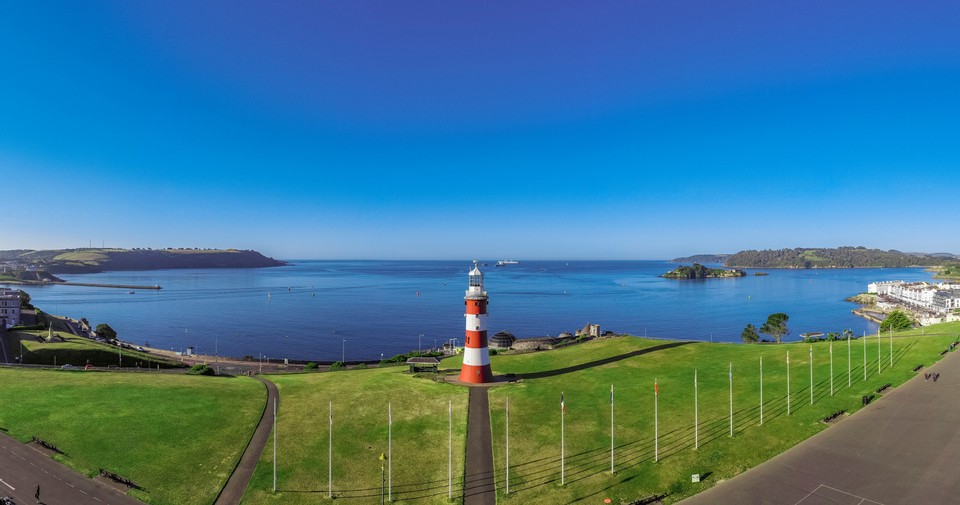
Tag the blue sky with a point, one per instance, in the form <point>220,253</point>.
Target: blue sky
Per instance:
<point>641,129</point>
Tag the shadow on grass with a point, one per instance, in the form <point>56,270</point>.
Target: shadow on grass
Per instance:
<point>599,362</point>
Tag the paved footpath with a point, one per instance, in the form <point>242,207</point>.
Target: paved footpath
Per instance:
<point>903,448</point>
<point>478,486</point>
<point>236,485</point>
<point>22,468</point>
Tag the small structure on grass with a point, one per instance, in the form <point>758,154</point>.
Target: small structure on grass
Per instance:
<point>423,364</point>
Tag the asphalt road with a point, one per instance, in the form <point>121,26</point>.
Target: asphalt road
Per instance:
<point>233,491</point>
<point>22,468</point>
<point>903,448</point>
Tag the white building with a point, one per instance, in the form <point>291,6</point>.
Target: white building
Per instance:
<point>9,307</point>
<point>941,298</point>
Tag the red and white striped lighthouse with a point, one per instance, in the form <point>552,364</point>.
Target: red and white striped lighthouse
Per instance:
<point>476,357</point>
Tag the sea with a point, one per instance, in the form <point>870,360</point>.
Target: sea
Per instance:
<point>364,310</point>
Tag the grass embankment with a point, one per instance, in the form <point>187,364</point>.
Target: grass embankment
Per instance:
<point>177,436</point>
<point>585,378</point>
<point>360,398</point>
<point>67,348</point>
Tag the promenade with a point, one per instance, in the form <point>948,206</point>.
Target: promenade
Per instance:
<point>900,449</point>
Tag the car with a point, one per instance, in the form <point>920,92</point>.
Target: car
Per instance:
<point>88,366</point>
<point>6,500</point>
<point>68,366</point>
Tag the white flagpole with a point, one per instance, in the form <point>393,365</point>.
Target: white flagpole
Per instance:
<point>788,383</point>
<point>656,421</point>
<point>891,346</point>
<point>330,462</point>
<point>879,352</point>
<point>761,390</point>
<point>849,376</point>
<point>696,412</point>
<point>731,398</point>
<point>508,445</point>
<point>275,445</point>
<point>611,428</point>
<point>450,459</point>
<point>831,368</point>
<point>811,375</point>
<point>864,355</point>
<point>390,451</point>
<point>563,411</point>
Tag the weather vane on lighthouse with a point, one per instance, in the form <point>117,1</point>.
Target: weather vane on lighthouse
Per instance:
<point>476,357</point>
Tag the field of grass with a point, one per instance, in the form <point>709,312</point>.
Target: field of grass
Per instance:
<point>78,351</point>
<point>360,432</point>
<point>178,436</point>
<point>585,373</point>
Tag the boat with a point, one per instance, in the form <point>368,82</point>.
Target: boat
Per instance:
<point>501,263</point>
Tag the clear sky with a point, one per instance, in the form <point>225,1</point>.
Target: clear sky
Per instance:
<point>412,129</point>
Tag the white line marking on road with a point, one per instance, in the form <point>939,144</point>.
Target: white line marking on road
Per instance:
<point>8,485</point>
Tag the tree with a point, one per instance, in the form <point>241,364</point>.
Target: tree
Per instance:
<point>25,300</point>
<point>776,326</point>
<point>897,320</point>
<point>750,335</point>
<point>105,331</point>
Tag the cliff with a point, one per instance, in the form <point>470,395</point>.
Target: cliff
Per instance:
<point>76,261</point>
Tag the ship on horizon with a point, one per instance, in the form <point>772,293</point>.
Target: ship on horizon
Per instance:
<point>501,263</point>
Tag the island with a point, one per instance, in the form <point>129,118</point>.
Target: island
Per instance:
<point>698,271</point>
<point>38,266</point>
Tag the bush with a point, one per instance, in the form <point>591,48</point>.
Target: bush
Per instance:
<point>310,366</point>
<point>360,366</point>
<point>201,369</point>
<point>337,365</point>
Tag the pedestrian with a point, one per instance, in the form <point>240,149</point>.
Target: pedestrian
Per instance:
<point>37,494</point>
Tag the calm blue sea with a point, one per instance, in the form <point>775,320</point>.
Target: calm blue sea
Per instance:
<point>322,309</point>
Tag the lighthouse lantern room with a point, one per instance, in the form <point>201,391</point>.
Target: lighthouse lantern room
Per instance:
<point>476,357</point>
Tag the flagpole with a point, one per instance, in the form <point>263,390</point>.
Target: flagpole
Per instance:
<point>330,462</point>
<point>508,445</point>
<point>788,383</point>
<point>731,398</point>
<point>761,390</point>
<point>275,445</point>
<point>811,375</point>
<point>696,412</point>
<point>563,410</point>
<point>849,376</point>
<point>864,355</point>
<point>879,352</point>
<point>450,458</point>
<point>891,346</point>
<point>656,421</point>
<point>390,451</point>
<point>831,368</point>
<point>611,428</point>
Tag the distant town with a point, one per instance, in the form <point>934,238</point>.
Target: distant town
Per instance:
<point>929,303</point>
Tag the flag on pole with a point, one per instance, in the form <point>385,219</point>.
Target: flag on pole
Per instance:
<point>563,406</point>
<point>656,388</point>
<point>731,372</point>
<point>611,394</point>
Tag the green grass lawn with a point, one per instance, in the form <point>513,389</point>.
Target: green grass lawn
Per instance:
<point>360,432</point>
<point>79,351</point>
<point>178,436</point>
<point>585,378</point>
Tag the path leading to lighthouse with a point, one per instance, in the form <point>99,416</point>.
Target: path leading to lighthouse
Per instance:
<point>901,449</point>
<point>236,485</point>
<point>478,486</point>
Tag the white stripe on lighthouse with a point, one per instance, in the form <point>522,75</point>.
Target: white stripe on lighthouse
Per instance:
<point>476,322</point>
<point>476,356</point>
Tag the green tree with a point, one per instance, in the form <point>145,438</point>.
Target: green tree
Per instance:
<point>897,320</point>
<point>776,326</point>
<point>749,335</point>
<point>104,330</point>
<point>25,300</point>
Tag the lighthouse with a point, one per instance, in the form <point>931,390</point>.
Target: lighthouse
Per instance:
<point>476,357</point>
